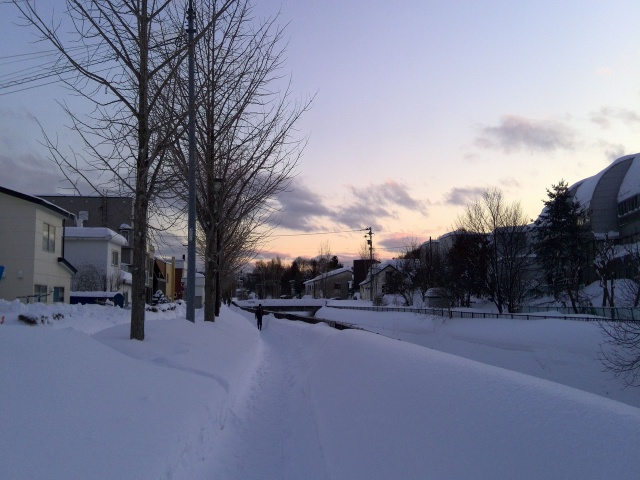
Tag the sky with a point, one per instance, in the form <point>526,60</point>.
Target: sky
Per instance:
<point>425,398</point>
<point>419,106</point>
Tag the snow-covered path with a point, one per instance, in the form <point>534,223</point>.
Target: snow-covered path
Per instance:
<point>272,432</point>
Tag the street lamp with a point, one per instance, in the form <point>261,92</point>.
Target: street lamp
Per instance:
<point>191,252</point>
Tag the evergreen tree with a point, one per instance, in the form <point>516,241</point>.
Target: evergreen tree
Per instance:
<point>561,243</point>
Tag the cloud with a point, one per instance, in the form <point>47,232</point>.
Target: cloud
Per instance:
<point>606,115</point>
<point>613,151</point>
<point>375,202</point>
<point>361,214</point>
<point>509,182</point>
<point>472,157</point>
<point>400,243</point>
<point>463,195</point>
<point>300,208</point>
<point>522,134</point>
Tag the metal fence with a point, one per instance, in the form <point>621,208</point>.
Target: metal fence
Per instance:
<point>455,313</point>
<point>611,313</point>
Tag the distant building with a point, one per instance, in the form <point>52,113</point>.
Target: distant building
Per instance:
<point>332,284</point>
<point>375,286</point>
<point>612,200</point>
<point>115,213</point>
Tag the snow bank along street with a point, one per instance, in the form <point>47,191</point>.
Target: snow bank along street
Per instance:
<point>222,400</point>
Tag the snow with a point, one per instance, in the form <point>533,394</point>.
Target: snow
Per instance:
<point>330,273</point>
<point>454,399</point>
<point>94,233</point>
<point>583,190</point>
<point>630,185</point>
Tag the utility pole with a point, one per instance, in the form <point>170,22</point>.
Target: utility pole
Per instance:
<point>191,250</point>
<point>370,243</point>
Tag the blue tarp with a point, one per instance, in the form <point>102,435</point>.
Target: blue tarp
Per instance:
<point>88,298</point>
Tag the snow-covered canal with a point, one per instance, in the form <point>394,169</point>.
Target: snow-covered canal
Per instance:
<point>327,404</point>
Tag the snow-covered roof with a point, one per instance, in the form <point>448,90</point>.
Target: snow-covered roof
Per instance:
<point>328,274</point>
<point>583,190</point>
<point>630,186</point>
<point>601,193</point>
<point>626,184</point>
<point>378,269</point>
<point>94,233</point>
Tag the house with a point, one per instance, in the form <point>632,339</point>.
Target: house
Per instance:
<point>172,270</point>
<point>115,213</point>
<point>96,252</point>
<point>332,284</point>
<point>377,283</point>
<point>32,249</point>
<point>199,288</point>
<point>167,277</point>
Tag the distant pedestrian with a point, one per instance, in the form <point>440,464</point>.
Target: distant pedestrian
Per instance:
<point>259,314</point>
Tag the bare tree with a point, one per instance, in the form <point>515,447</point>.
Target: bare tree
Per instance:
<point>363,251</point>
<point>124,53</point>
<point>405,277</point>
<point>630,287</point>
<point>620,351</point>
<point>246,153</point>
<point>270,274</point>
<point>604,266</point>
<point>505,227</point>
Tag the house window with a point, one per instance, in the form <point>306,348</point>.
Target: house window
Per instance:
<point>58,294</point>
<point>115,258</point>
<point>48,238</point>
<point>40,293</point>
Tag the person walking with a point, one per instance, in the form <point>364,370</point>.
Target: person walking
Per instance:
<point>259,313</point>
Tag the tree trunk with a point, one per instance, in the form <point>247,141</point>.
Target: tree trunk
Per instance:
<point>141,201</point>
<point>139,273</point>
<point>209,279</point>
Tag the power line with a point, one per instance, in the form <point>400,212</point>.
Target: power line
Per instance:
<point>317,233</point>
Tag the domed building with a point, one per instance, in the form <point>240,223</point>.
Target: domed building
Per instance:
<point>612,200</point>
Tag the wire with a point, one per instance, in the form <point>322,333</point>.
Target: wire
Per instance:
<point>315,233</point>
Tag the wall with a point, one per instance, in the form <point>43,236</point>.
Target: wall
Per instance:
<point>26,263</point>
